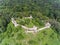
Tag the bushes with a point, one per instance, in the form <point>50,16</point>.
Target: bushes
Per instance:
<point>3,25</point>
<point>56,26</point>
<point>33,42</point>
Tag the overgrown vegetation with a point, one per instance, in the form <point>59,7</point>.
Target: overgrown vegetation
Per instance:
<point>41,10</point>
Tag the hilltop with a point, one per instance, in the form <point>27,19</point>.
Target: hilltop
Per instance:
<point>20,17</point>
<point>17,35</point>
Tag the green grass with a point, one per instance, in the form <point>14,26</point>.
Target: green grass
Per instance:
<point>30,22</point>
<point>45,37</point>
<point>17,36</point>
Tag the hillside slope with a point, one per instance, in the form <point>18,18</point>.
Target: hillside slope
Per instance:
<point>28,15</point>
<point>18,36</point>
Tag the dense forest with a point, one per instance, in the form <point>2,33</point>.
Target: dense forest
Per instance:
<point>46,10</point>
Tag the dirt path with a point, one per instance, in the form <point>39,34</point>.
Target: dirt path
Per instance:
<point>43,28</point>
<point>33,29</point>
<point>14,22</point>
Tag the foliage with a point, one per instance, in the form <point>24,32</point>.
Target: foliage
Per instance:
<point>41,10</point>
